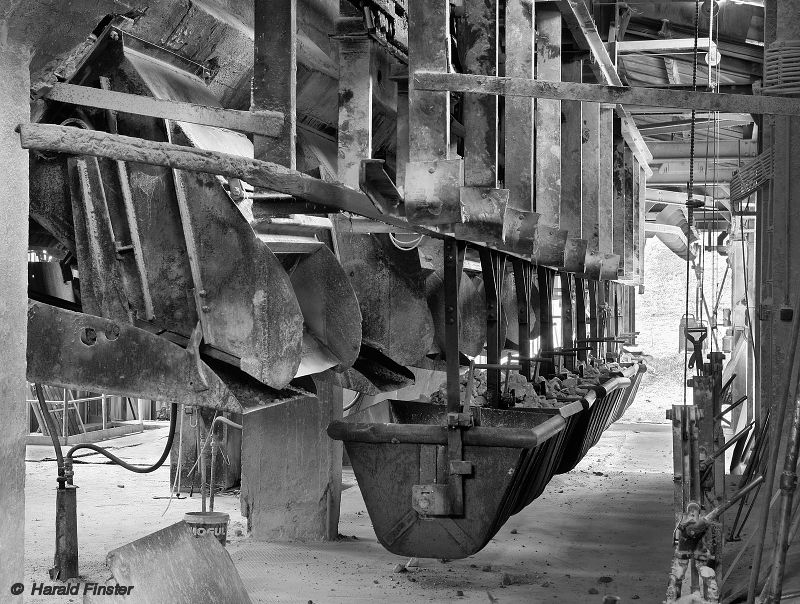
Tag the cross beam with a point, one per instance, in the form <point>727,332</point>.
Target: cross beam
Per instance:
<point>596,93</point>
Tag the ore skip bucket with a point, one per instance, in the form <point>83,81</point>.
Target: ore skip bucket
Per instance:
<point>397,445</point>
<point>589,427</point>
<point>634,373</point>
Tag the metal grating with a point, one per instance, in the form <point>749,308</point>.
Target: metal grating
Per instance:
<point>782,68</point>
<point>752,176</point>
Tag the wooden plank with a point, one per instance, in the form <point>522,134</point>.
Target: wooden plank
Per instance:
<point>598,93</point>
<point>264,123</point>
<point>355,108</point>
<point>275,76</point>
<point>590,185</point>
<point>519,111</point>
<point>571,156</point>
<point>547,116</point>
<point>605,199</point>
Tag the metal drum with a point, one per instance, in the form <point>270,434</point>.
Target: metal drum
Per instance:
<point>397,446</point>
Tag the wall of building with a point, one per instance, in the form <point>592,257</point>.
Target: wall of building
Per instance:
<point>14,95</point>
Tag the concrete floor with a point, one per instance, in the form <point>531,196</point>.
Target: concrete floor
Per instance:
<point>604,528</point>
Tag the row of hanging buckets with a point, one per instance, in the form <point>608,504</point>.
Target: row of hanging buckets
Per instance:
<point>395,445</point>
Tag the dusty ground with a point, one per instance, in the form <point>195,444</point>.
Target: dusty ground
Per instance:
<point>604,527</point>
<point>659,311</point>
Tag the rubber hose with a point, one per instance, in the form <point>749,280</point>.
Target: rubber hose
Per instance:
<point>139,470</point>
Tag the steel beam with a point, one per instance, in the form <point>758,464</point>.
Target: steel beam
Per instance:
<point>579,20</point>
<point>629,95</point>
<point>590,186</point>
<point>518,111</point>
<point>663,46</point>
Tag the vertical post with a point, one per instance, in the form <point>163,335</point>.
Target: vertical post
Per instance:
<point>605,199</point>
<point>547,116</point>
<point>355,107</point>
<point>103,409</point>
<point>618,239</point>
<point>523,281</point>
<point>595,331</point>
<point>452,276</point>
<point>493,267</point>
<point>629,260</point>
<point>518,115</point>
<point>642,238</point>
<point>428,112</point>
<point>297,498</point>
<point>590,186</point>
<point>544,277</point>
<point>580,311</point>
<point>401,154</point>
<point>432,180</point>
<point>567,319</point>
<point>480,110</point>
<point>64,423</point>
<point>571,156</point>
<point>14,98</point>
<point>275,76</point>
<point>778,220</point>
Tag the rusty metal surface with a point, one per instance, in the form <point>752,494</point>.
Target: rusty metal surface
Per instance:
<point>387,473</point>
<point>482,214</point>
<point>472,312</point>
<point>519,229</point>
<point>575,255</point>
<point>372,373</point>
<point>610,267</point>
<point>105,291</point>
<point>84,352</point>
<point>433,191</point>
<point>203,261</point>
<point>593,264</point>
<point>390,287</point>
<point>331,315</point>
<point>548,245</point>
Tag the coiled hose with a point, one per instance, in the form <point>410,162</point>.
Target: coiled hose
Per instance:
<point>139,470</point>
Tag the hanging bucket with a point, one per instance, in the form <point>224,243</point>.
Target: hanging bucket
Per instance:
<point>592,424</point>
<point>214,524</point>
<point>395,446</point>
<point>634,373</point>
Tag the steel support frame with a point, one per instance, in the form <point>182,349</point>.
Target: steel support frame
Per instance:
<point>493,266</point>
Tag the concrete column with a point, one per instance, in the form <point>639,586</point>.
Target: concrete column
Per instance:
<point>14,96</point>
<point>291,470</point>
